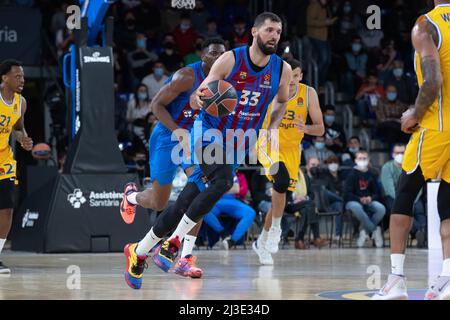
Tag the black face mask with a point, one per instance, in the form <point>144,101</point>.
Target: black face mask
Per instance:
<point>141,163</point>
<point>315,171</point>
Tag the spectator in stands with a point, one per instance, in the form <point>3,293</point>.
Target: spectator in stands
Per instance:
<point>155,80</point>
<point>361,197</point>
<point>406,89</point>
<point>334,133</point>
<point>333,183</point>
<point>367,99</point>
<point>318,23</point>
<point>140,60</point>
<point>185,35</point>
<point>302,201</point>
<point>148,15</point>
<point>125,36</point>
<point>200,17</point>
<point>318,150</point>
<point>137,112</point>
<point>231,205</point>
<point>170,58</point>
<point>356,61</point>
<point>386,59</point>
<point>390,173</point>
<point>240,35</point>
<point>388,112</point>
<point>211,29</point>
<point>195,55</point>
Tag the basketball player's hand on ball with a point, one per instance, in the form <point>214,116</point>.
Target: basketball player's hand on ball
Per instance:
<point>183,137</point>
<point>26,143</point>
<point>409,121</point>
<point>196,99</point>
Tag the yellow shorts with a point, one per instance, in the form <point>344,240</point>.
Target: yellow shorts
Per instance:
<point>290,156</point>
<point>429,150</point>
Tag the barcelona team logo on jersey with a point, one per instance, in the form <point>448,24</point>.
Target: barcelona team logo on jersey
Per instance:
<point>300,102</point>
<point>243,75</point>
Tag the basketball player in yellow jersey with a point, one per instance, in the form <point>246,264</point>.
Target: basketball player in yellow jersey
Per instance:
<point>12,111</point>
<point>427,155</point>
<point>282,166</point>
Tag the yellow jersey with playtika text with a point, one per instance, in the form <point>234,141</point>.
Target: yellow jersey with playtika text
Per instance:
<point>9,115</point>
<point>437,117</point>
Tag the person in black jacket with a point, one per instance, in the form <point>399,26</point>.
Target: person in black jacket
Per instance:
<point>361,195</point>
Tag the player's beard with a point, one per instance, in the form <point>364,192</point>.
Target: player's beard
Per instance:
<point>264,49</point>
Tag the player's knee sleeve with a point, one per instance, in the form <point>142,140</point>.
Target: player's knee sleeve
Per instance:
<point>281,178</point>
<point>221,180</point>
<point>169,218</point>
<point>443,201</point>
<point>408,187</point>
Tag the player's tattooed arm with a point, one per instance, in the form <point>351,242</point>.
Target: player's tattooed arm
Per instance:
<point>19,132</point>
<point>280,101</point>
<point>425,41</point>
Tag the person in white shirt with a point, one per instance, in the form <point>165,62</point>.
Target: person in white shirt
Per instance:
<point>155,81</point>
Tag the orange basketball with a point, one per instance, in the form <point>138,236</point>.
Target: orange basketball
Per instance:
<point>41,151</point>
<point>220,98</point>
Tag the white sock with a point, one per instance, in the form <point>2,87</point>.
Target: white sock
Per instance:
<point>397,261</point>
<point>132,198</point>
<point>276,222</point>
<point>2,243</point>
<point>446,268</point>
<point>145,245</point>
<point>188,245</point>
<point>183,228</point>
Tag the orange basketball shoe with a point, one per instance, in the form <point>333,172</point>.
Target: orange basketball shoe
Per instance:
<point>127,209</point>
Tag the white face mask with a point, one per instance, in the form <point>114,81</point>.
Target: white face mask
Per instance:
<point>398,158</point>
<point>333,167</point>
<point>362,164</point>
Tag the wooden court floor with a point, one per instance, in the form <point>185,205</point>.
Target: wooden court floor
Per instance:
<point>236,274</point>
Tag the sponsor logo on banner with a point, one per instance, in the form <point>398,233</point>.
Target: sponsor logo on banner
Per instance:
<point>29,218</point>
<point>8,35</point>
<point>96,199</point>
<point>96,58</point>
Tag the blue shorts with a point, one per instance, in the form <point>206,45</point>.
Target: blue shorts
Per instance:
<point>162,166</point>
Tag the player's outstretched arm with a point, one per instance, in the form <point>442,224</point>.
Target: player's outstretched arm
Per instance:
<point>424,39</point>
<point>182,81</point>
<point>19,132</point>
<point>280,101</point>
<point>316,128</point>
<point>219,71</point>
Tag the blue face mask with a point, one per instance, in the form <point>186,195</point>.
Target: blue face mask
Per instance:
<point>329,119</point>
<point>398,72</point>
<point>141,43</point>
<point>356,47</point>
<point>319,145</point>
<point>391,96</point>
<point>142,96</point>
<point>158,72</point>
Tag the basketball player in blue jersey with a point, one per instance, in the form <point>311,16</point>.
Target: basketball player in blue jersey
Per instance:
<point>258,75</point>
<point>171,107</point>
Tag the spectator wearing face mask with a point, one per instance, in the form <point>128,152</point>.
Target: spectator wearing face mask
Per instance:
<point>137,112</point>
<point>155,81</point>
<point>356,61</point>
<point>333,184</point>
<point>334,133</point>
<point>240,35</point>
<point>170,58</point>
<point>389,111</point>
<point>140,59</point>
<point>125,34</point>
<point>367,99</point>
<point>406,89</point>
<point>318,150</point>
<point>211,29</point>
<point>361,197</point>
<point>185,35</point>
